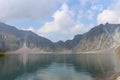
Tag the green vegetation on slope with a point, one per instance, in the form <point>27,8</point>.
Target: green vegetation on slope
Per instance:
<point>3,53</point>
<point>118,50</point>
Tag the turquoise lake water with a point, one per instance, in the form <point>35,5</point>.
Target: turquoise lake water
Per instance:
<point>56,66</point>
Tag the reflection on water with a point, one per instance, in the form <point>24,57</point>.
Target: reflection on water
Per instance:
<point>56,72</point>
<point>56,67</point>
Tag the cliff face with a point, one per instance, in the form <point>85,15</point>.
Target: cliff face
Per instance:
<point>13,39</point>
<point>98,38</point>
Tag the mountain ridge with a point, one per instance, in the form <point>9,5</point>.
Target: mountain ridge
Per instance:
<point>98,38</point>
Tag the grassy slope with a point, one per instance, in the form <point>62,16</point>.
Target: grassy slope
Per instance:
<point>118,50</point>
<point>3,53</point>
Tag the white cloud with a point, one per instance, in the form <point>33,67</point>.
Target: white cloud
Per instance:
<point>63,25</point>
<point>90,13</point>
<point>111,14</point>
<point>108,16</point>
<point>27,9</point>
<point>98,7</point>
<point>62,21</point>
<point>29,29</point>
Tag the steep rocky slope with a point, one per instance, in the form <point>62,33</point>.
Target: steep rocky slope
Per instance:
<point>12,38</point>
<point>100,37</point>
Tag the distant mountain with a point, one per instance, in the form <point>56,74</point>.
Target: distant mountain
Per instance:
<point>12,38</point>
<point>98,38</point>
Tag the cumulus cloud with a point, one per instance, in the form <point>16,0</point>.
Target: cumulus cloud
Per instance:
<point>63,25</point>
<point>62,21</point>
<point>111,14</point>
<point>27,9</point>
<point>108,16</point>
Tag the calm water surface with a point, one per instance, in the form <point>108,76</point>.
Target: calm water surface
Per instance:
<point>57,67</point>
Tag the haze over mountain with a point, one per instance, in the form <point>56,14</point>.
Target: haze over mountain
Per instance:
<point>98,38</point>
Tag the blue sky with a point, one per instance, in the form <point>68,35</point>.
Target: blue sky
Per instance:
<point>59,19</point>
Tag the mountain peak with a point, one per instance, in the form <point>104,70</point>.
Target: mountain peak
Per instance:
<point>98,38</point>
